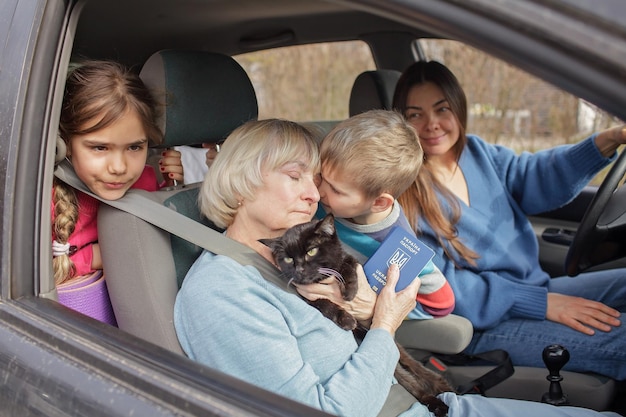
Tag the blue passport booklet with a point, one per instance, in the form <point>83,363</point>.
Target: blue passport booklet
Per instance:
<point>402,248</point>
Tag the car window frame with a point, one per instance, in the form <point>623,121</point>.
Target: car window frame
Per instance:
<point>44,342</point>
<point>27,165</point>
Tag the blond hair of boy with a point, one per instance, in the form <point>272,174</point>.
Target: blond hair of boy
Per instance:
<point>379,151</point>
<point>367,161</point>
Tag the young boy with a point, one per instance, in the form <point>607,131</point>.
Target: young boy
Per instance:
<point>368,160</point>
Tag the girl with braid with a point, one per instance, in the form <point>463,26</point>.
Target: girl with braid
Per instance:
<point>108,119</point>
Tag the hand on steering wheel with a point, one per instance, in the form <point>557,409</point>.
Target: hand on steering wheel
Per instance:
<point>600,235</point>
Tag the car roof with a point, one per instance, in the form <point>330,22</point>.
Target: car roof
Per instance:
<point>586,56</point>
<point>223,26</point>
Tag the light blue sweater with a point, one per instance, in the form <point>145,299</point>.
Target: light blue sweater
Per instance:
<point>503,189</point>
<point>230,318</point>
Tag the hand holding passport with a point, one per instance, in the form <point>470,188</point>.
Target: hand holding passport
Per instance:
<point>402,248</point>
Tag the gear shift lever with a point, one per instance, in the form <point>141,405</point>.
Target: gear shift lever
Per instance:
<point>555,357</point>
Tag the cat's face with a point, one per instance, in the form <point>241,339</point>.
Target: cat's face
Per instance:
<point>305,248</point>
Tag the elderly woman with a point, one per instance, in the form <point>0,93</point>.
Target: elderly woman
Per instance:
<point>230,318</point>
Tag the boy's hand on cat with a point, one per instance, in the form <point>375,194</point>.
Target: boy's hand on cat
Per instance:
<point>392,307</point>
<point>361,307</point>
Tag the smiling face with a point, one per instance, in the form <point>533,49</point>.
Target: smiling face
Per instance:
<point>110,160</point>
<point>429,112</point>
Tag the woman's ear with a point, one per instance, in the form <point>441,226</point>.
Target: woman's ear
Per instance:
<point>61,150</point>
<point>382,203</point>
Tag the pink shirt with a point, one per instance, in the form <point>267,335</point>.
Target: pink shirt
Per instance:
<point>86,228</point>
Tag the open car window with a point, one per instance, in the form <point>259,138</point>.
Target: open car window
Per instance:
<point>59,362</point>
<point>306,83</point>
<point>509,107</point>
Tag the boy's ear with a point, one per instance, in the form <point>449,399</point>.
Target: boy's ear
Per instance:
<point>382,202</point>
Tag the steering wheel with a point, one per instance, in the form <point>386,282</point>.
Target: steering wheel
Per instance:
<point>601,234</point>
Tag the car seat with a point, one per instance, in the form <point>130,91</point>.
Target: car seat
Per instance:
<point>206,96</point>
<point>374,90</point>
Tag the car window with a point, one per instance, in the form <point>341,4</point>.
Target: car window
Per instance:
<point>307,82</point>
<point>510,107</point>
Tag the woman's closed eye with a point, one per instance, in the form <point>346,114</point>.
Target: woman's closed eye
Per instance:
<point>294,175</point>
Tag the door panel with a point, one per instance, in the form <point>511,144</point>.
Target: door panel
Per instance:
<point>555,229</point>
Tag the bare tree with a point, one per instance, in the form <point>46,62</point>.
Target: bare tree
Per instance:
<point>506,105</point>
<point>306,83</point>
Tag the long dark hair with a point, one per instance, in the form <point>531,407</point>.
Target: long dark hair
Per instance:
<point>421,200</point>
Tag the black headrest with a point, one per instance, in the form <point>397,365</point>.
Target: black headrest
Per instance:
<point>206,95</point>
<point>373,90</point>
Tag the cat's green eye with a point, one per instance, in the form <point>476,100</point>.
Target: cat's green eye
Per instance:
<point>312,252</point>
<point>288,260</point>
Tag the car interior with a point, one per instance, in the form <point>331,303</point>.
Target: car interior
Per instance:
<point>207,94</point>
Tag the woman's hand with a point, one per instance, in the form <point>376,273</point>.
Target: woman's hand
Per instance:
<point>361,307</point>
<point>581,314</point>
<point>392,307</point>
<point>609,140</point>
<point>171,166</point>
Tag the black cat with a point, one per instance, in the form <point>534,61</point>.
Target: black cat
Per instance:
<point>311,252</point>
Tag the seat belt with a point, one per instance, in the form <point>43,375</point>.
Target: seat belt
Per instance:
<point>498,358</point>
<point>137,203</point>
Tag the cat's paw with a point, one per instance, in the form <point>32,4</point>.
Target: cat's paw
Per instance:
<point>435,406</point>
<point>332,311</point>
<point>345,320</point>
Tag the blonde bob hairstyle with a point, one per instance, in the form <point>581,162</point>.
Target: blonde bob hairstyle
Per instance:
<point>250,150</point>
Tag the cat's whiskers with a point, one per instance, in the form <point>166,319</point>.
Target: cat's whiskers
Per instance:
<point>329,272</point>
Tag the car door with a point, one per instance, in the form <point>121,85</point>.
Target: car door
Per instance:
<point>54,361</point>
<point>57,362</point>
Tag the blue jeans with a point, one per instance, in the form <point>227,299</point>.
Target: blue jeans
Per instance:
<point>603,353</point>
<point>479,406</point>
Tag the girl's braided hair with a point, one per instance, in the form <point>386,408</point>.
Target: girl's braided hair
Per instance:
<point>97,94</point>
